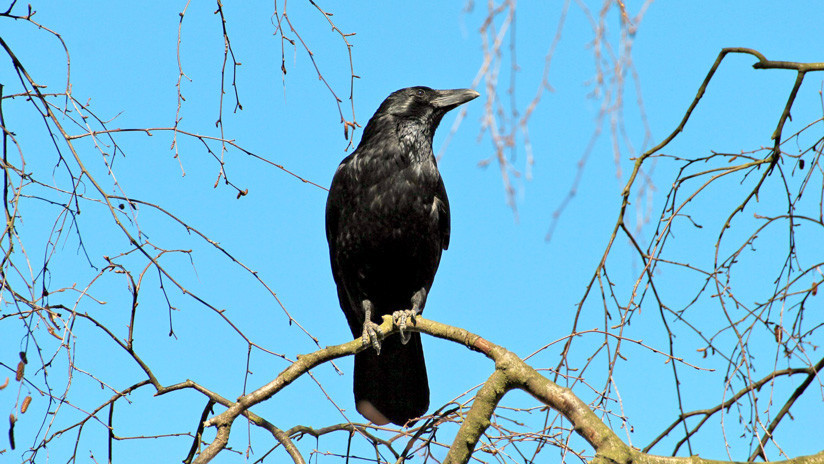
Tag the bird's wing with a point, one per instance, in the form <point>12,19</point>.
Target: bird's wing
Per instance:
<point>332,214</point>
<point>443,214</point>
<point>338,192</point>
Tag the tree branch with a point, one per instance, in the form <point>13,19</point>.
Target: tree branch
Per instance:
<point>511,372</point>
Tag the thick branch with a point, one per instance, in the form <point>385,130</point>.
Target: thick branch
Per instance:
<point>510,372</point>
<point>478,418</point>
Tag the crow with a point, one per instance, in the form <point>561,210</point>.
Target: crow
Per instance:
<point>387,222</point>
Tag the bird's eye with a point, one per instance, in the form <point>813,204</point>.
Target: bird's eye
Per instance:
<point>419,93</point>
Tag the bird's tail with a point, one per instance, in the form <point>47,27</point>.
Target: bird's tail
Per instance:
<point>392,386</point>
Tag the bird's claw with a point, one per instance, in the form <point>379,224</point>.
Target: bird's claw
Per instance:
<point>371,334</point>
<point>399,319</point>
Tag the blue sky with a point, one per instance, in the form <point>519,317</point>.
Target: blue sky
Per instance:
<point>500,278</point>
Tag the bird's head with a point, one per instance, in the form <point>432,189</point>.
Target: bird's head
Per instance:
<point>419,106</point>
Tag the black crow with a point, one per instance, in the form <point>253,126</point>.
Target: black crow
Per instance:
<point>387,221</point>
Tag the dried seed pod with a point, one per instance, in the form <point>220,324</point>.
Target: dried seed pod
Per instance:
<point>26,403</point>
<point>53,333</point>
<point>21,368</point>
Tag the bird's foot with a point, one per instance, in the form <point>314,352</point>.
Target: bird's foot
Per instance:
<point>371,330</point>
<point>371,334</point>
<point>399,319</point>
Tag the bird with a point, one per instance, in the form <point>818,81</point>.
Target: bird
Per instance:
<point>387,223</point>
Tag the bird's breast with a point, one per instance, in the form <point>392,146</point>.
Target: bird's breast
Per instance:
<point>395,209</point>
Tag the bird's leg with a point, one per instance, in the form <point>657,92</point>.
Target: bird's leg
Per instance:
<point>399,317</point>
<point>370,329</point>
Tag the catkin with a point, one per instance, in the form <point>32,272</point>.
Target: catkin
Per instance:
<point>21,368</point>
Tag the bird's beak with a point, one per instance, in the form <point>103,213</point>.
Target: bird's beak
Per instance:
<point>449,99</point>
